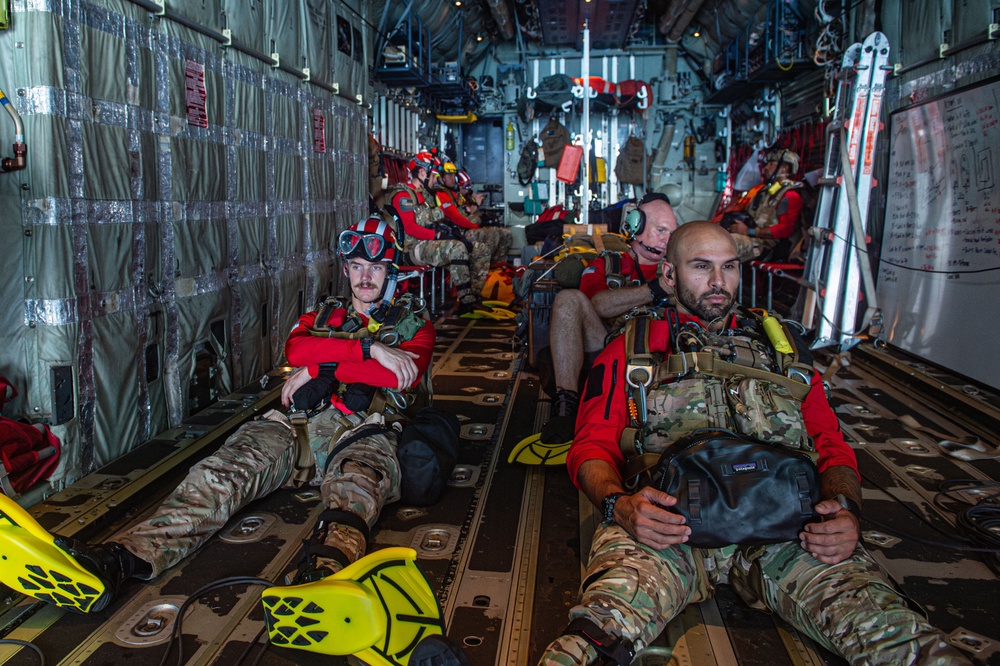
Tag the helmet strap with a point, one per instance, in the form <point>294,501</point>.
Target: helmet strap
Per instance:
<point>385,298</point>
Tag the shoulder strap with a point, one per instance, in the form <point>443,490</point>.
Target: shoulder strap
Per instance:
<point>640,365</point>
<point>613,270</point>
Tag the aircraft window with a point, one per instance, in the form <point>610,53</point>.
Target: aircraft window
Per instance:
<point>62,393</point>
<point>152,363</point>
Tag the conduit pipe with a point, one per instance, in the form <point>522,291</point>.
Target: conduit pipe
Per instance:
<point>667,136</point>
<point>502,15</point>
<point>675,29</point>
<point>20,159</point>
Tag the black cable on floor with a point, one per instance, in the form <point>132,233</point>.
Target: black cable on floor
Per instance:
<point>175,634</point>
<point>11,641</point>
<point>978,523</point>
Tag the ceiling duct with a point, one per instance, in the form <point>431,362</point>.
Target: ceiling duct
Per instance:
<point>678,17</point>
<point>446,22</point>
<point>503,17</point>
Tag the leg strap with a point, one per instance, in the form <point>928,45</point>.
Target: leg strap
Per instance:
<point>341,517</point>
<point>619,650</point>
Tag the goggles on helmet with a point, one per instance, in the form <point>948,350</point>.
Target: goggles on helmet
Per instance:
<point>367,246</point>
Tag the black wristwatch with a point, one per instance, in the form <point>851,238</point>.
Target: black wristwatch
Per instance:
<point>608,506</point>
<point>366,348</point>
<point>849,504</point>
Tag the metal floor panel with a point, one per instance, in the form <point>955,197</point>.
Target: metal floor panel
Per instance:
<point>504,549</point>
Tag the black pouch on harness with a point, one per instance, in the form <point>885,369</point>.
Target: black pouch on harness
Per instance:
<point>427,453</point>
<point>734,490</point>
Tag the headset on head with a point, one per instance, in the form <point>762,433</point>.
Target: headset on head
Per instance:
<point>635,220</point>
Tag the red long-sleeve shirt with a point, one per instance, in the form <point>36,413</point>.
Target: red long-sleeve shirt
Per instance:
<point>790,208</point>
<point>604,412</point>
<point>304,349</point>
<point>405,201</point>
<point>446,202</point>
<point>595,280</point>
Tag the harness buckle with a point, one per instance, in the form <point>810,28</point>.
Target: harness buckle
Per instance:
<point>639,371</point>
<point>639,376</point>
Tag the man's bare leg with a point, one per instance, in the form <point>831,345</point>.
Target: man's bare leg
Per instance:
<point>575,332</point>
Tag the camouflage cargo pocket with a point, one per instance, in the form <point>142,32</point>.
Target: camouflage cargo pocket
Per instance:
<point>767,412</point>
<point>681,407</point>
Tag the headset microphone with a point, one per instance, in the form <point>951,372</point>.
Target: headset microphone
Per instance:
<point>649,249</point>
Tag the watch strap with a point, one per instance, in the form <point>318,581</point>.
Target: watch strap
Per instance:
<point>608,506</point>
<point>849,504</point>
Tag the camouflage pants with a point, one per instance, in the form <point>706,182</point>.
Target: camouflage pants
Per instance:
<point>497,239</point>
<point>633,591</point>
<point>450,253</point>
<point>747,248</point>
<point>486,244</point>
<point>256,460</point>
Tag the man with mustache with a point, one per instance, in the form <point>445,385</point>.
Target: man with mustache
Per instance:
<point>642,573</point>
<point>348,359</point>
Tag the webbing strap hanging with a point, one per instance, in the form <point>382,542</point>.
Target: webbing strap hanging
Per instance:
<point>639,366</point>
<point>305,464</point>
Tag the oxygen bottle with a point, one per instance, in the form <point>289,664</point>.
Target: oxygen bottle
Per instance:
<point>510,135</point>
<point>689,147</point>
<point>772,327</point>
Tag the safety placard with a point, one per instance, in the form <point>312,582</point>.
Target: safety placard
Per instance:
<point>319,131</point>
<point>194,76</point>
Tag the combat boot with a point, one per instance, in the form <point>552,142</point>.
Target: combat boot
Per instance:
<point>561,427</point>
<point>111,562</point>
<point>60,570</point>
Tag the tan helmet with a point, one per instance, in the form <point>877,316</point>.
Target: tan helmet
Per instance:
<point>783,155</point>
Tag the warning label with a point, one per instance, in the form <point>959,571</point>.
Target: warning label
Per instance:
<point>194,75</point>
<point>319,131</point>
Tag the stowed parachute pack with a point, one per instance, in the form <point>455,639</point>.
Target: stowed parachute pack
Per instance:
<point>750,379</point>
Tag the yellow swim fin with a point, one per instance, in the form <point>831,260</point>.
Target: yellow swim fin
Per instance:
<point>533,451</point>
<point>501,313</point>
<point>35,565</point>
<point>377,609</point>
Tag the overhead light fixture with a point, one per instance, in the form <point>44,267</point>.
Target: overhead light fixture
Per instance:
<point>479,38</point>
<point>458,3</point>
<point>696,34</point>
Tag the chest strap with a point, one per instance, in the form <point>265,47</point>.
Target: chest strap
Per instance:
<point>707,363</point>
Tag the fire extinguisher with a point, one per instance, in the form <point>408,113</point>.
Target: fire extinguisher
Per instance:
<point>689,150</point>
<point>510,135</point>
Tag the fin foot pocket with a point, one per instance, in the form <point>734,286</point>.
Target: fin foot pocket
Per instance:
<point>34,564</point>
<point>533,451</point>
<point>378,609</point>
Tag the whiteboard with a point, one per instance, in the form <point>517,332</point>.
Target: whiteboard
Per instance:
<point>941,300</point>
